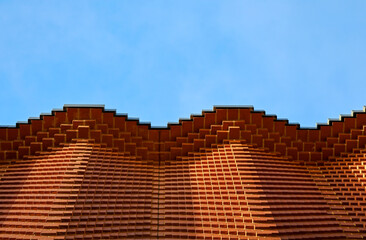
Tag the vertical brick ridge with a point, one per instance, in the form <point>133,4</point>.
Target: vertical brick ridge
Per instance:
<point>38,192</point>
<point>283,194</point>
<point>342,182</point>
<point>116,198</point>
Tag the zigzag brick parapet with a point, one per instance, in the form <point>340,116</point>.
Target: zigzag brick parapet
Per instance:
<point>312,146</point>
<point>85,172</point>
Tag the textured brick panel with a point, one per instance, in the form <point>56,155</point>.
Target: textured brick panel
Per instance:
<point>85,172</point>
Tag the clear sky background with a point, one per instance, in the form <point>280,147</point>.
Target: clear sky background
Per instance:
<point>164,60</point>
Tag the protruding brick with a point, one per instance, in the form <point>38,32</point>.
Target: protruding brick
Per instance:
<point>210,119</point>
<point>59,138</point>
<point>71,134</point>
<point>187,127</point>
<point>131,148</point>
<point>257,119</point>
<point>35,147</point>
<point>108,139</point>
<point>83,132</point>
<point>281,148</point>
<point>210,139</point>
<point>108,118</point>
<point>48,143</point>
<point>120,144</point>
<point>269,143</point>
<point>41,135</point>
<point>221,115</point>
<point>198,123</point>
<point>198,143</point>
<point>234,132</point>
<point>23,151</point>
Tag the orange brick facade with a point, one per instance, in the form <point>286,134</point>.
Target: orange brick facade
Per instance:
<point>85,172</point>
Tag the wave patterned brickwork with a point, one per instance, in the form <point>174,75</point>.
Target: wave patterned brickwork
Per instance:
<point>85,172</point>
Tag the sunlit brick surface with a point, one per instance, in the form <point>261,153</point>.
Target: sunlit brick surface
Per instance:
<point>233,173</point>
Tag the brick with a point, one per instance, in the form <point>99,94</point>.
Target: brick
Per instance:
<point>59,138</point>
<point>257,139</point>
<point>84,113</point>
<point>10,155</point>
<point>198,123</point>
<point>337,127</point>
<point>72,114</point>
<point>351,144</point>
<point>280,126</point>
<point>108,139</point>
<point>299,145</point>
<point>244,114</point>
<point>304,156</point>
<point>256,118</point>
<point>269,143</point>
<point>60,118</point>
<point>361,141</point>
<point>221,135</point>
<point>83,132</point>
<point>175,131</point>
<point>126,136</point>
<point>263,132</point>
<point>234,132</point>
<point>6,146</point>
<point>339,148</point>
<point>315,156</point>
<point>302,135</point>
<point>108,118</point>
<point>198,143</point>
<point>35,147</point>
<point>268,123</point>
<point>13,134</point>
<point>187,127</point>
<point>30,139</point>
<point>221,115</point>
<point>48,143</point>
<point>65,127</point>
<point>210,139</point>
<point>3,134</point>
<point>131,148</point>
<point>360,120</point>
<point>141,151</point>
<point>209,119</point>
<point>187,147</point>
<point>292,152</point>
<point>327,152</point>
<point>309,147</point>
<point>41,135</point>
<point>71,134</point>
<point>246,135</point>
<point>349,123</point>
<point>48,122</point>
<point>291,131</point>
<point>23,151</point>
<point>281,148</point>
<point>24,130</point>
<point>233,114</point>
<point>154,135</point>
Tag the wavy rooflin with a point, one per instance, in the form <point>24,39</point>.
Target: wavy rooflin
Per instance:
<point>86,172</point>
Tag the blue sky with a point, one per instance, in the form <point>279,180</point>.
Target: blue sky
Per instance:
<point>164,60</point>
